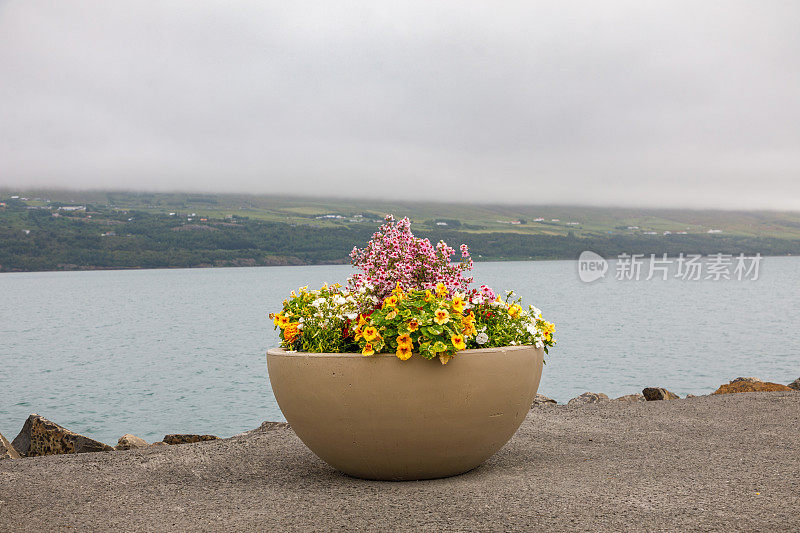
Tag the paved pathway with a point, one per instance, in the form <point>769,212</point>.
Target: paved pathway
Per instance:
<point>712,463</point>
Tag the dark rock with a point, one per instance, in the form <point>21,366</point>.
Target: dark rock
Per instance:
<point>795,384</point>
<point>691,396</point>
<point>658,393</point>
<point>751,386</point>
<point>747,380</point>
<point>40,436</point>
<point>631,398</point>
<point>589,397</point>
<point>159,443</point>
<point>187,438</point>
<point>130,442</point>
<point>7,451</point>
<point>541,399</point>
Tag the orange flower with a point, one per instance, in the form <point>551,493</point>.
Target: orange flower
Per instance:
<point>413,325</point>
<point>404,340</point>
<point>290,332</point>
<point>514,311</point>
<point>469,329</point>
<point>368,350</point>
<point>403,352</point>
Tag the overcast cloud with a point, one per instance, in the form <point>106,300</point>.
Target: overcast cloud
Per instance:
<point>691,104</point>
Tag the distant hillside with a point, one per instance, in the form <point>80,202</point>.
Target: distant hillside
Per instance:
<point>51,230</point>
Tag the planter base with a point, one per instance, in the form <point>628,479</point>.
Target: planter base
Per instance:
<point>381,418</point>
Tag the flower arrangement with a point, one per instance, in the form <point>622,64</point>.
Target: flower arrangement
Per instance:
<point>408,298</point>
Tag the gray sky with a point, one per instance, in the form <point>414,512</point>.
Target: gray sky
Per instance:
<point>672,103</point>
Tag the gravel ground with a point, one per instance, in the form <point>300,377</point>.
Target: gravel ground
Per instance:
<point>712,463</point>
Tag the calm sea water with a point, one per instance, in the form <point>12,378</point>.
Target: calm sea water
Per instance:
<point>152,352</point>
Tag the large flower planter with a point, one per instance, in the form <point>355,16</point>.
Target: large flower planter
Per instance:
<point>381,418</point>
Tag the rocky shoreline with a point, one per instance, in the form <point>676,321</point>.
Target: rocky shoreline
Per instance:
<point>40,436</point>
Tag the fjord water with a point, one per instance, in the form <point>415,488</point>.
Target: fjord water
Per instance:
<point>152,352</point>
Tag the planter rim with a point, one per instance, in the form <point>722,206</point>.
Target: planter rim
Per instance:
<point>284,352</point>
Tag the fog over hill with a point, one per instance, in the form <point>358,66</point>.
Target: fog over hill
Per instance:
<point>669,104</point>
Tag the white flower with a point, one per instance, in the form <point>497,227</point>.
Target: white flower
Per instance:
<point>352,316</point>
<point>300,325</point>
<point>318,302</point>
<point>535,311</point>
<point>482,338</point>
<point>539,344</point>
<point>477,299</point>
<point>531,329</point>
<point>339,300</point>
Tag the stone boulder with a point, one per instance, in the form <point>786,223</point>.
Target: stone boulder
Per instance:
<point>40,436</point>
<point>631,398</point>
<point>185,438</point>
<point>795,384</point>
<point>263,428</point>
<point>7,451</point>
<point>541,399</point>
<point>130,442</point>
<point>738,385</point>
<point>589,397</point>
<point>658,393</point>
<point>747,380</point>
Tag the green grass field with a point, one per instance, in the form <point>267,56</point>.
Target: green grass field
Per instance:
<point>582,221</point>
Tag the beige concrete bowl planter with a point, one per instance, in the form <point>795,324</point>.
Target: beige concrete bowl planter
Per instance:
<point>382,418</point>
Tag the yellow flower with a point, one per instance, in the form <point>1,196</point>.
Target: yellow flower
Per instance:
<point>390,300</point>
<point>282,321</point>
<point>441,290</point>
<point>403,352</point>
<point>458,342</point>
<point>547,336</point>
<point>370,333</point>
<point>458,304</point>
<point>357,331</point>
<point>469,317</point>
<point>404,340</point>
<point>398,290</point>
<point>428,296</point>
<point>442,316</point>
<point>368,349</point>
<point>469,329</point>
<point>362,320</point>
<point>413,325</point>
<point>514,311</point>
<point>294,295</point>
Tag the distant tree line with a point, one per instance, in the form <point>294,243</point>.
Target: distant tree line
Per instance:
<point>143,240</point>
